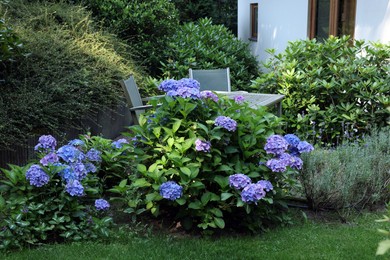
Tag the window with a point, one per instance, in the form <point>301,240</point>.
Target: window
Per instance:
<point>254,24</point>
<point>332,17</point>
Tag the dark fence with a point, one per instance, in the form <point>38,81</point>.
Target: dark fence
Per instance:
<point>109,123</point>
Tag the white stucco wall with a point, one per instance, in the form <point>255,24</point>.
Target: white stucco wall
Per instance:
<point>244,22</point>
<point>373,20</point>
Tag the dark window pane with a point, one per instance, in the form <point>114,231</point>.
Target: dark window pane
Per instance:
<point>322,25</point>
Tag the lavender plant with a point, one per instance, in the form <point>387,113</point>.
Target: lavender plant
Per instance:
<point>209,160</point>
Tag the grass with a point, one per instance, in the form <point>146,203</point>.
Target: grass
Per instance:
<point>314,239</point>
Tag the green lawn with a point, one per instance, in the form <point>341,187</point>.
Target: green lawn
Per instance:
<point>356,239</point>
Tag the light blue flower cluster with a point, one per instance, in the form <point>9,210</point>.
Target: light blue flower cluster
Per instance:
<point>250,192</point>
<point>101,204</point>
<point>202,146</point>
<point>185,88</point>
<point>72,164</point>
<point>239,99</point>
<point>206,94</point>
<point>171,190</point>
<point>239,181</point>
<point>226,122</point>
<point>253,193</point>
<point>119,143</point>
<point>287,150</point>
<point>37,176</point>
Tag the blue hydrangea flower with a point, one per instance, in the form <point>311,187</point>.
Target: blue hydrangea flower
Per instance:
<point>101,204</point>
<point>206,94</point>
<point>94,155</point>
<point>296,163</point>
<point>267,185</point>
<point>67,173</point>
<point>69,153</point>
<point>74,188</point>
<point>37,176</point>
<point>90,167</point>
<point>276,145</point>
<point>49,158</point>
<point>305,147</point>
<point>226,122</point>
<point>276,165</point>
<point>188,83</point>
<point>239,181</point>
<point>239,99</point>
<point>168,85</point>
<point>77,142</point>
<point>202,146</point>
<point>46,142</point>
<point>171,190</point>
<point>119,143</point>
<point>79,170</point>
<point>186,92</point>
<point>252,193</point>
<point>292,140</point>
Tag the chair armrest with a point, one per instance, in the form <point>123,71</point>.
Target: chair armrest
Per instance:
<point>140,108</point>
<point>153,97</point>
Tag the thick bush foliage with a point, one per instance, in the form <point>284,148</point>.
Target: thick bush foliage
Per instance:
<point>335,90</point>
<point>10,44</point>
<point>144,24</point>
<point>203,45</point>
<point>208,161</point>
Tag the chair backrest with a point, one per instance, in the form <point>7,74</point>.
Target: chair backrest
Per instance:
<point>213,79</point>
<point>132,94</point>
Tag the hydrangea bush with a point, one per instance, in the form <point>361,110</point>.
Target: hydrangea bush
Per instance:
<point>210,161</point>
<point>57,197</point>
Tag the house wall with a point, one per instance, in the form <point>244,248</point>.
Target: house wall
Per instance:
<point>244,22</point>
<point>373,20</point>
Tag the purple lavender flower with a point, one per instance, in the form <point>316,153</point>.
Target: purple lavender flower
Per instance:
<point>49,158</point>
<point>94,155</point>
<point>226,122</point>
<point>69,153</point>
<point>266,184</point>
<point>171,190</point>
<point>276,165</point>
<point>188,83</point>
<point>206,94</point>
<point>74,188</point>
<point>168,85</point>
<point>76,142</point>
<point>202,146</point>
<point>239,99</point>
<point>276,145</point>
<point>239,181</point>
<point>46,142</point>
<point>292,140</point>
<point>119,143</point>
<point>101,204</point>
<point>296,163</point>
<point>305,147</point>
<point>252,193</point>
<point>37,176</point>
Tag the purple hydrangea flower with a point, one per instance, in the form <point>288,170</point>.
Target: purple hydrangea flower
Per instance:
<point>90,167</point>
<point>239,99</point>
<point>266,184</point>
<point>101,204</point>
<point>292,140</point>
<point>305,147</point>
<point>276,165</point>
<point>79,170</point>
<point>239,181</point>
<point>226,122</point>
<point>202,146</point>
<point>168,85</point>
<point>74,188</point>
<point>49,158</point>
<point>252,193</point>
<point>188,83</point>
<point>76,142</point>
<point>186,92</point>
<point>206,94</point>
<point>37,176</point>
<point>46,142</point>
<point>67,173</point>
<point>276,145</point>
<point>119,143</point>
<point>94,155</point>
<point>171,190</point>
<point>296,163</point>
<point>69,153</point>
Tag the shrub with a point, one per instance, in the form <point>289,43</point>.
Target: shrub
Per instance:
<point>144,24</point>
<point>10,44</point>
<point>73,70</point>
<point>56,198</point>
<point>384,245</point>
<point>334,89</point>
<point>206,160</point>
<point>352,176</point>
<point>207,46</point>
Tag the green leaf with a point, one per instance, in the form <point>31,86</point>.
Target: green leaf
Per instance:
<point>223,181</point>
<point>205,198</point>
<point>195,205</point>
<point>226,195</point>
<point>141,168</point>
<point>197,184</point>
<point>2,203</point>
<point>219,222</point>
<point>383,247</point>
<point>176,125</point>
<point>141,183</point>
<point>181,201</point>
<point>123,183</point>
<point>157,131</point>
<point>170,142</point>
<point>217,212</point>
<point>186,171</point>
<point>225,168</point>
